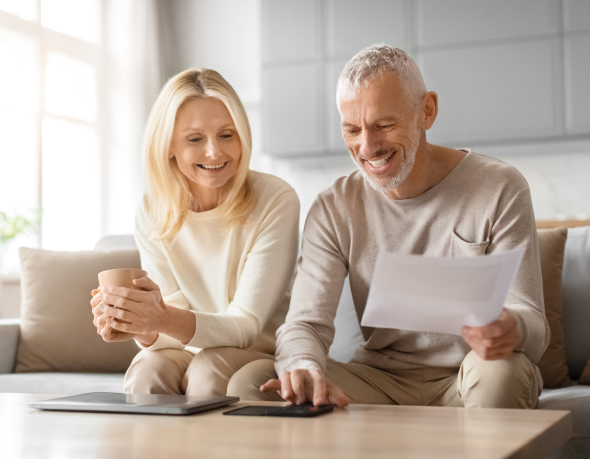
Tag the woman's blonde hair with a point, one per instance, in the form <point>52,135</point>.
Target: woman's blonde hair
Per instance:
<point>168,194</point>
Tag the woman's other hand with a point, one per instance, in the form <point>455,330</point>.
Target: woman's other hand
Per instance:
<point>136,312</point>
<point>107,333</point>
<point>94,301</point>
<point>96,312</point>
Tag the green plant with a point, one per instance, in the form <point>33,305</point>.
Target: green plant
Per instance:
<point>12,226</point>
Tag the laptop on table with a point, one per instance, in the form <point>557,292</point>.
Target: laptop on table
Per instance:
<point>106,402</point>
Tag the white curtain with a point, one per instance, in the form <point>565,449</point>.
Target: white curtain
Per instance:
<point>133,77</point>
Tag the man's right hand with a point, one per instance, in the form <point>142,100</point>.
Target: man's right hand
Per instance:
<point>299,386</point>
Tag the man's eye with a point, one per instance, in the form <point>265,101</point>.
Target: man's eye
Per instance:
<point>387,126</point>
<point>351,131</point>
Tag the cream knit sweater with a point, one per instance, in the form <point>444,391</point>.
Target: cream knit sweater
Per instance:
<point>236,281</point>
<point>482,206</point>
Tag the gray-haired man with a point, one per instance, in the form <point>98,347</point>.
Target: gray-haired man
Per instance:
<point>408,196</point>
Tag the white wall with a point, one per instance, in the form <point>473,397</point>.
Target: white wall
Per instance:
<point>219,34</point>
<point>558,174</point>
<point>512,79</point>
<point>283,58</point>
<point>224,35</point>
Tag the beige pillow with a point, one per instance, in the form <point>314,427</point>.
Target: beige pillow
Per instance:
<point>553,363</point>
<point>57,333</point>
<point>585,376</point>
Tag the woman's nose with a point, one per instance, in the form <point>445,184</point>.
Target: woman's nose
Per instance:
<point>213,150</point>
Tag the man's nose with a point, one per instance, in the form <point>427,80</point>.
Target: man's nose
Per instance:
<point>369,145</point>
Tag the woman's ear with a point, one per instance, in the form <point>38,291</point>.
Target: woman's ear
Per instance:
<point>170,154</point>
<point>430,101</point>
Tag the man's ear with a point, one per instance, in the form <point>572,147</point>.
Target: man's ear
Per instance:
<point>430,109</point>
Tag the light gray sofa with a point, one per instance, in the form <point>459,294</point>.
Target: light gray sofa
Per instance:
<point>55,383</point>
<point>576,317</point>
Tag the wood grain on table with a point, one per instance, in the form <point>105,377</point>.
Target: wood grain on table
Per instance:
<point>359,431</point>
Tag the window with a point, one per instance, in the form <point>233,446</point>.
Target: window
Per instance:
<point>50,121</point>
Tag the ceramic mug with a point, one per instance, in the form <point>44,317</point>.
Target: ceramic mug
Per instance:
<point>120,277</point>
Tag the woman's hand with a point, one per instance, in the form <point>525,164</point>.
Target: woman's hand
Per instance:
<point>106,331</point>
<point>111,335</point>
<point>96,312</point>
<point>135,312</point>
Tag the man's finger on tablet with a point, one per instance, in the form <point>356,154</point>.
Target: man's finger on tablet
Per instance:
<point>286,389</point>
<point>319,388</point>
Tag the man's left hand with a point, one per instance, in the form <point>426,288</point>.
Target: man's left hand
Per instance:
<point>495,341</point>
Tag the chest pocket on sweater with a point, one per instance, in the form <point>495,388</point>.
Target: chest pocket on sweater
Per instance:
<point>462,248</point>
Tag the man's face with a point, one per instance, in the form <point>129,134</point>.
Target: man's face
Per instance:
<point>380,128</point>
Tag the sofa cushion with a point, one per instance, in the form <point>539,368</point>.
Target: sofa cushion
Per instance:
<point>9,332</point>
<point>585,376</point>
<point>553,363</point>
<point>576,299</point>
<point>575,399</point>
<point>57,333</point>
<point>116,242</point>
<point>61,383</point>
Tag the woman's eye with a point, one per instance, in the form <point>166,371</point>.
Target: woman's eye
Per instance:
<point>195,140</point>
<point>226,136</point>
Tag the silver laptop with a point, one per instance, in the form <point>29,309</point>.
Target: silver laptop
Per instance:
<point>105,402</point>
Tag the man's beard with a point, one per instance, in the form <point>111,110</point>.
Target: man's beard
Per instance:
<point>402,174</point>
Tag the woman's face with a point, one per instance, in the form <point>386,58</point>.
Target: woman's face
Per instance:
<point>205,143</point>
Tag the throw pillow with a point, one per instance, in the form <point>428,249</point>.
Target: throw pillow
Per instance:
<point>553,363</point>
<point>57,333</point>
<point>585,376</point>
<point>576,302</point>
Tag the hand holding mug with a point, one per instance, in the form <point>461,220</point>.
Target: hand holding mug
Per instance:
<point>141,312</point>
<point>100,322</point>
<point>121,278</point>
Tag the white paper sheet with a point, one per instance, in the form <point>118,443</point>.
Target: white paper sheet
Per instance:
<point>439,294</point>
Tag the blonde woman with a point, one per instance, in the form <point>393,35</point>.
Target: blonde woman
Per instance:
<point>219,243</point>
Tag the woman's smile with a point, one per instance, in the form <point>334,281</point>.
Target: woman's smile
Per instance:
<point>213,167</point>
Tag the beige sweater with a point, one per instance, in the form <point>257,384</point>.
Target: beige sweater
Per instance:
<point>482,206</point>
<point>237,281</point>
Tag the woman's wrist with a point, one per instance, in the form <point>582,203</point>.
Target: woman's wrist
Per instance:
<point>180,324</point>
<point>147,340</point>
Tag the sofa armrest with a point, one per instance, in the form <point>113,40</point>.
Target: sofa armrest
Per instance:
<point>9,333</point>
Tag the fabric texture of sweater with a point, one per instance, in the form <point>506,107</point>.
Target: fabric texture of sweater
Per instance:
<point>483,206</point>
<point>236,280</point>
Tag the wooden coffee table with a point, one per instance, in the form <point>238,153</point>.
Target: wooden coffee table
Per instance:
<point>359,431</point>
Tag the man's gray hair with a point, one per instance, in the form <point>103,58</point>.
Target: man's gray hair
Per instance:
<point>376,59</point>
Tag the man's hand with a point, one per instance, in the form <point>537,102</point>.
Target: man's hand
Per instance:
<point>299,386</point>
<point>495,341</point>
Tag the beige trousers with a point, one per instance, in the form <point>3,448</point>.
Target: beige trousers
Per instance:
<point>510,383</point>
<point>175,371</point>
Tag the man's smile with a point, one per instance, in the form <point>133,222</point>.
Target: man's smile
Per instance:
<point>382,161</point>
